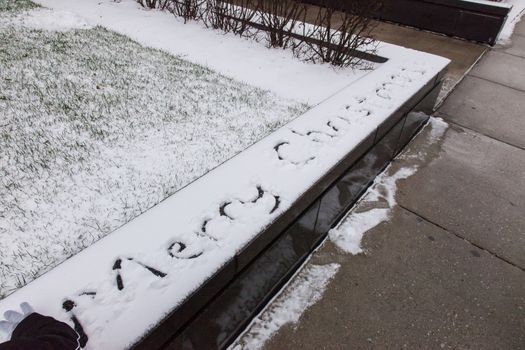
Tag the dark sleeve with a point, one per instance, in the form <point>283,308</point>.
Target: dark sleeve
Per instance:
<point>37,332</point>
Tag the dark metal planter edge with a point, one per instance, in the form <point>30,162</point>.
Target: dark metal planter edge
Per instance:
<point>457,18</point>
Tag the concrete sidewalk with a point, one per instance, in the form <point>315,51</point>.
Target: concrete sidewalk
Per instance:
<point>447,271</point>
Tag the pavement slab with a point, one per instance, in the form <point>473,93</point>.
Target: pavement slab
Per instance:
<point>520,28</point>
<point>502,68</point>
<point>489,108</point>
<point>516,47</point>
<point>417,287</point>
<point>474,189</point>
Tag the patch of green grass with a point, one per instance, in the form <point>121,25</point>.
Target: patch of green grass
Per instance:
<point>17,5</point>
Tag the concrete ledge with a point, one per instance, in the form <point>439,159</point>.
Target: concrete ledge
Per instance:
<point>220,309</point>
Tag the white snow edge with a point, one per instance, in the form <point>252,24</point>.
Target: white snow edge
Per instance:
<point>514,16</point>
<point>305,289</point>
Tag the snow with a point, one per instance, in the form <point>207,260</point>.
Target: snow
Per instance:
<point>347,235</point>
<point>439,127</point>
<point>166,253</point>
<point>495,3</point>
<point>46,19</point>
<point>16,5</point>
<point>515,14</point>
<point>306,289</point>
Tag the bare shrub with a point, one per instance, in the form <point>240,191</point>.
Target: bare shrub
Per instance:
<point>280,17</point>
<point>186,9</point>
<point>340,34</point>
<point>236,17</point>
<point>154,4</point>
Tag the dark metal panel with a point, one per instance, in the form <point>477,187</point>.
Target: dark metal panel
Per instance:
<point>472,22</point>
<point>463,19</point>
<point>220,322</point>
<point>164,332</point>
<point>349,187</point>
<point>417,117</point>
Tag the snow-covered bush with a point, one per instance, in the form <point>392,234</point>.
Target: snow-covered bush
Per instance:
<point>281,17</point>
<point>188,9</point>
<point>161,4</point>
<point>229,17</point>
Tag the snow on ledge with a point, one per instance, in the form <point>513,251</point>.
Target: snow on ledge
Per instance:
<point>168,252</point>
<point>126,283</point>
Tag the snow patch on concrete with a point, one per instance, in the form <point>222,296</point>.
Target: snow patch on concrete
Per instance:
<point>515,14</point>
<point>304,291</point>
<point>349,233</point>
<point>438,129</point>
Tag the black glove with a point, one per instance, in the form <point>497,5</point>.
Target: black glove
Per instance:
<point>37,332</point>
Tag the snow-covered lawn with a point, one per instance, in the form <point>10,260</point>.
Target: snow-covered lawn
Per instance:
<point>16,5</point>
<point>95,129</point>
